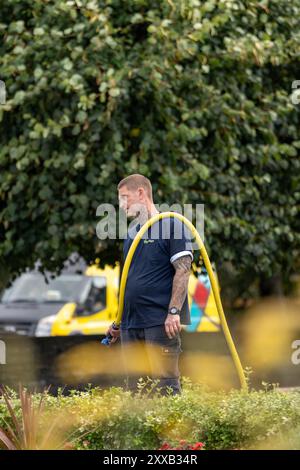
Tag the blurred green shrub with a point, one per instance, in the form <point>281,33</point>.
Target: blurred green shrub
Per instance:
<point>115,419</point>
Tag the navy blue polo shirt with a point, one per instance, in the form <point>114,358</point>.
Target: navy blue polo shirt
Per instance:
<point>150,277</point>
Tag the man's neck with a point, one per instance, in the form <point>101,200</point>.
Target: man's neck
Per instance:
<point>147,214</point>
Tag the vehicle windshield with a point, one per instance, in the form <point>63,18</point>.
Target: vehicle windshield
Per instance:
<point>32,287</point>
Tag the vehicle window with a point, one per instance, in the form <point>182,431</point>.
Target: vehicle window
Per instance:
<point>32,287</point>
<point>96,298</point>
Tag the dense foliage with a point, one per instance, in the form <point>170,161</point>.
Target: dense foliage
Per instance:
<point>115,419</point>
<point>194,94</point>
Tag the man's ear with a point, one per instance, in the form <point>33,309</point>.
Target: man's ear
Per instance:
<point>141,193</point>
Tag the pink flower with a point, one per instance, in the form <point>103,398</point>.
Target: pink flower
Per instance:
<point>197,446</point>
<point>165,446</point>
<point>182,446</point>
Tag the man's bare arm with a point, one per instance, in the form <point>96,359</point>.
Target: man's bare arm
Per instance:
<point>179,290</point>
<point>180,281</point>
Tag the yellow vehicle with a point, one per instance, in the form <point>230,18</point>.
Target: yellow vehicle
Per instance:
<point>77,302</point>
<point>98,308</point>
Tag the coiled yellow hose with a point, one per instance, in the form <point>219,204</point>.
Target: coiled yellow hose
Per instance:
<point>195,234</point>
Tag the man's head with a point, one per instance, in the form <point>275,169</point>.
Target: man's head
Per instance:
<point>135,194</point>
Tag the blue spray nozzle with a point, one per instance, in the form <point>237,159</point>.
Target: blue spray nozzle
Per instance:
<point>106,341</point>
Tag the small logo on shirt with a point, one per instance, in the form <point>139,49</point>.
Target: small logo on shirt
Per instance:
<point>148,241</point>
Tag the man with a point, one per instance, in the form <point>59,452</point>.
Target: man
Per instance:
<point>155,303</point>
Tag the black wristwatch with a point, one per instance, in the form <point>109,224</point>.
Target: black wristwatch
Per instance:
<point>174,311</point>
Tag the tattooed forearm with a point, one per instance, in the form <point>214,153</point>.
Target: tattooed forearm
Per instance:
<point>180,281</point>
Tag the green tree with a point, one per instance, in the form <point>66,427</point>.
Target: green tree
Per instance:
<point>194,94</point>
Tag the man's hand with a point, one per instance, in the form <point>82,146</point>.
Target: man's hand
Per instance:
<point>172,325</point>
<point>115,333</point>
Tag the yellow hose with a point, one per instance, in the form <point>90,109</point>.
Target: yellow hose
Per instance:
<point>195,234</point>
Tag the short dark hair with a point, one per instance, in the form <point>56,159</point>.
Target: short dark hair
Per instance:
<point>135,181</point>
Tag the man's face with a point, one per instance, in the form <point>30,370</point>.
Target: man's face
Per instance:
<point>132,202</point>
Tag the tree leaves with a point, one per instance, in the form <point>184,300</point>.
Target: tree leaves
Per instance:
<point>195,95</point>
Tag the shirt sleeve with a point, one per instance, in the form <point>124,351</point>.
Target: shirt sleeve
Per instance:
<point>180,241</point>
